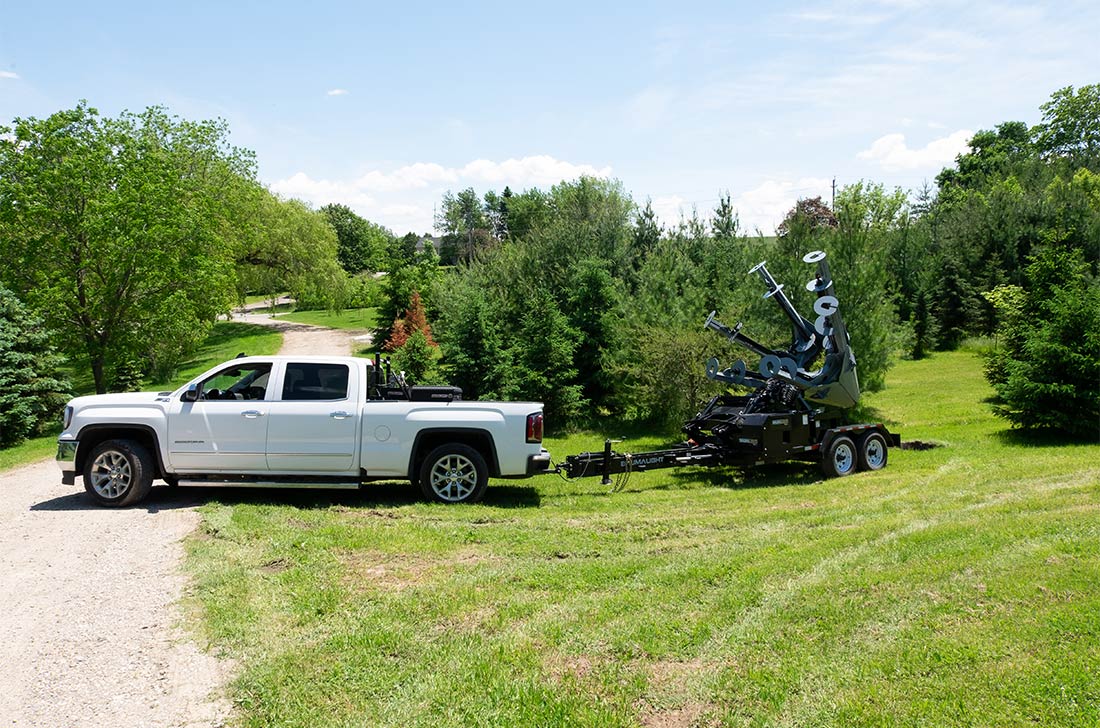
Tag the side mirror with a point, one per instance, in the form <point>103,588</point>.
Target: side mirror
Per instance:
<point>191,394</point>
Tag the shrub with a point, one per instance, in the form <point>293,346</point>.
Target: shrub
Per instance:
<point>416,357</point>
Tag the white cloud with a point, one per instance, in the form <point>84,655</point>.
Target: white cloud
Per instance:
<point>764,206</point>
<point>8,74</point>
<point>761,208</point>
<point>537,171</point>
<point>337,92</point>
<point>402,199</point>
<point>893,154</point>
<point>412,176</point>
<point>301,186</point>
<point>669,208</point>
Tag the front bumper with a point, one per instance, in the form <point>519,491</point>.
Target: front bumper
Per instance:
<point>66,460</point>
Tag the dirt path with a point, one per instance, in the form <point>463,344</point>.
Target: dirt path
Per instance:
<point>303,338</point>
<point>89,613</point>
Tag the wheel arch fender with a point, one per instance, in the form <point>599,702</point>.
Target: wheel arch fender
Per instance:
<point>91,435</point>
<point>432,437</point>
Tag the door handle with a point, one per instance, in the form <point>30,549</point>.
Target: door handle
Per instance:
<point>252,414</point>
<point>339,415</point>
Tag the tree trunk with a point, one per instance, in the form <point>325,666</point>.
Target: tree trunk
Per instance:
<point>97,374</point>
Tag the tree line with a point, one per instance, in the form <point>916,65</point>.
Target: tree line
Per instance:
<point>124,238</point>
<point>578,297</point>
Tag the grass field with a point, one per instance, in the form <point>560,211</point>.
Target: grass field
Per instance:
<point>351,318</point>
<point>226,340</point>
<point>956,587</point>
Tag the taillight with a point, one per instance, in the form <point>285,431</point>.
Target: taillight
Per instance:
<point>534,427</point>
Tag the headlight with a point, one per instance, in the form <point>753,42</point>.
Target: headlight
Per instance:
<point>67,418</point>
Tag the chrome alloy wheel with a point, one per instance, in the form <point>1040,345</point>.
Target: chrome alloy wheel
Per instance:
<point>844,458</point>
<point>111,474</point>
<point>453,478</point>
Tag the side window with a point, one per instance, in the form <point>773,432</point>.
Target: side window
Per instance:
<point>248,381</point>
<point>315,382</point>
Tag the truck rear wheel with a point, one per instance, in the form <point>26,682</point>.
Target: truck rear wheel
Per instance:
<point>840,457</point>
<point>873,452</point>
<point>454,473</point>
<point>118,473</point>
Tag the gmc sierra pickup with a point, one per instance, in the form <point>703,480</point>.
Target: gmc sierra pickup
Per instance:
<point>298,421</point>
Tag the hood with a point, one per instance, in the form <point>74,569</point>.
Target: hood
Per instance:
<point>119,398</point>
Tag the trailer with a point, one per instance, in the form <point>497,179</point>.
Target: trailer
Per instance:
<point>794,413</point>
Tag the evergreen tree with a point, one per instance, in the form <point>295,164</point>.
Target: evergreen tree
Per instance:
<point>545,361</point>
<point>1048,373</point>
<point>32,388</point>
<point>647,231</point>
<point>416,357</point>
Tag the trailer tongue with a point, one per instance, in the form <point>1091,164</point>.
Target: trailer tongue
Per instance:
<point>795,413</point>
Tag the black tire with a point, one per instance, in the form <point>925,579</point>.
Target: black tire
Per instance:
<point>118,473</point>
<point>873,451</point>
<point>454,473</point>
<point>839,459</point>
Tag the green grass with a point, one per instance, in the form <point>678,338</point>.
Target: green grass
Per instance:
<point>29,451</point>
<point>262,298</point>
<point>226,340</point>
<point>956,587</point>
<point>352,318</point>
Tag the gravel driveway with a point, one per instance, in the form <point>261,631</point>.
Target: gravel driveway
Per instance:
<point>89,615</point>
<point>89,631</point>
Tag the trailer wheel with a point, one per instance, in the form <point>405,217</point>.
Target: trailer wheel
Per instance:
<point>840,457</point>
<point>873,452</point>
<point>454,473</point>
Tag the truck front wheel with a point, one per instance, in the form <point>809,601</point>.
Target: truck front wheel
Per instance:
<point>454,473</point>
<point>118,473</point>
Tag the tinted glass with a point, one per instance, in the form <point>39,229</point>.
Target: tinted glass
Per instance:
<point>315,381</point>
<point>237,383</point>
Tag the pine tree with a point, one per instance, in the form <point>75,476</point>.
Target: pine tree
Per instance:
<point>32,389</point>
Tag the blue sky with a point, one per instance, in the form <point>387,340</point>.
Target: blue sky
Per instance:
<point>386,106</point>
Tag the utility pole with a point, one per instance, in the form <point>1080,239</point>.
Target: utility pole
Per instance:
<point>832,203</point>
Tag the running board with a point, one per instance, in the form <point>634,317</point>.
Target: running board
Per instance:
<point>208,483</point>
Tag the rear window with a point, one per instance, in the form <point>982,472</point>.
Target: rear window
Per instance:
<point>315,381</point>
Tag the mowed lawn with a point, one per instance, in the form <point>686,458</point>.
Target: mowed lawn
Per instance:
<point>350,318</point>
<point>960,586</point>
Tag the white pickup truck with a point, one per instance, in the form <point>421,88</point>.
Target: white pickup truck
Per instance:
<point>298,421</point>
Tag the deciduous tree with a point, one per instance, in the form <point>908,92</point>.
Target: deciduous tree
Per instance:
<point>120,231</point>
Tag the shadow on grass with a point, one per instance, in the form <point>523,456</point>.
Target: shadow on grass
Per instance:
<point>227,331</point>
<point>388,494</point>
<point>1042,438</point>
<point>762,476</point>
<point>731,478</point>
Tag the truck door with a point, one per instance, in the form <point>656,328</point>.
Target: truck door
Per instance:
<point>315,420</point>
<point>226,429</point>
